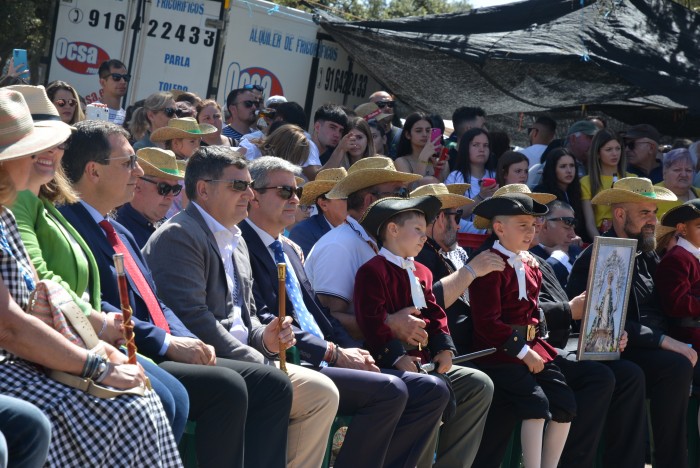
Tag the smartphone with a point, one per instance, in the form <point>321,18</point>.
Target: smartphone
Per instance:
<point>436,135</point>
<point>444,156</point>
<point>487,182</point>
<point>19,57</point>
<point>97,112</point>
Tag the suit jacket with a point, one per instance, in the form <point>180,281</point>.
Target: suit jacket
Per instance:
<point>266,290</point>
<point>189,272</point>
<point>560,270</point>
<point>308,232</point>
<point>149,338</point>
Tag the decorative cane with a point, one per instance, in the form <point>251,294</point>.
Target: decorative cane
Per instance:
<point>281,304</point>
<point>126,308</point>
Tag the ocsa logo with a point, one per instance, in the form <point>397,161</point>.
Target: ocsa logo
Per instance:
<point>79,57</point>
<point>237,78</point>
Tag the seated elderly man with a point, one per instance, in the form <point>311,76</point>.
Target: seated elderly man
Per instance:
<point>330,213</point>
<point>201,267</point>
<point>556,240</point>
<point>154,193</point>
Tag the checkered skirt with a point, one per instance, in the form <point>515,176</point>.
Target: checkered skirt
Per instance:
<point>86,431</point>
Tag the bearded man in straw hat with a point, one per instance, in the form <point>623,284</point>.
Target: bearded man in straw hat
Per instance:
<point>154,193</point>
<point>667,363</point>
<point>330,213</point>
<point>182,136</point>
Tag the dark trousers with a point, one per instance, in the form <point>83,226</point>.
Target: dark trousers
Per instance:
<point>668,377</point>
<point>610,400</point>
<point>172,394</point>
<point>25,433</point>
<point>239,408</point>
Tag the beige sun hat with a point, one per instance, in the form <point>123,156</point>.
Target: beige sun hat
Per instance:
<point>186,127</point>
<point>158,162</point>
<point>633,190</point>
<point>324,182</point>
<point>40,106</point>
<point>370,110</point>
<point>542,198</point>
<point>458,189</point>
<point>367,172</point>
<point>448,200</point>
<point>19,135</point>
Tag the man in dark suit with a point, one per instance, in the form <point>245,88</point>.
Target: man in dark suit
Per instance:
<point>331,213</point>
<point>201,267</point>
<point>237,405</point>
<point>388,405</point>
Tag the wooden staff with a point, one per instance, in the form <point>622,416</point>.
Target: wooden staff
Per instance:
<point>281,304</point>
<point>126,308</point>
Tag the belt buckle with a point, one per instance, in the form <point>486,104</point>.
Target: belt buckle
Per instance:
<point>531,332</point>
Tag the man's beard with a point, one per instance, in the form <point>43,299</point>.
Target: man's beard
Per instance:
<point>450,238</point>
<point>646,239</point>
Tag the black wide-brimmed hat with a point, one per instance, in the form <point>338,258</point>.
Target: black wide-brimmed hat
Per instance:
<point>510,204</point>
<point>688,211</point>
<point>379,212</point>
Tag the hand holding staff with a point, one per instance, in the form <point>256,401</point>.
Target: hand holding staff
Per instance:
<point>281,304</point>
<point>126,308</point>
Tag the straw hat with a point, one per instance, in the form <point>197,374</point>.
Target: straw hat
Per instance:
<point>19,135</point>
<point>633,190</point>
<point>509,204</point>
<point>40,106</point>
<point>458,189</point>
<point>369,111</point>
<point>158,162</point>
<point>688,211</point>
<point>379,212</point>
<point>324,182</point>
<point>186,127</point>
<point>368,172</point>
<point>448,200</point>
<point>542,198</point>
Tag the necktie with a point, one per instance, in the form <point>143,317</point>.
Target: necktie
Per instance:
<point>136,275</point>
<point>416,290</point>
<point>517,263</point>
<point>306,320</point>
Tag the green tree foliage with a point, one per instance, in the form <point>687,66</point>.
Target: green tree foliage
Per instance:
<point>381,9</point>
<point>24,24</point>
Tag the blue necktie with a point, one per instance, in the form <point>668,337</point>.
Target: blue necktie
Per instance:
<point>306,320</point>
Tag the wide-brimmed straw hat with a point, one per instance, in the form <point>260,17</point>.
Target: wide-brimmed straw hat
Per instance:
<point>19,135</point>
<point>688,211</point>
<point>633,190</point>
<point>40,106</point>
<point>158,162</point>
<point>370,111</point>
<point>379,212</point>
<point>186,127</point>
<point>368,172</point>
<point>458,189</point>
<point>324,182</point>
<point>448,200</point>
<point>542,198</point>
<point>509,204</point>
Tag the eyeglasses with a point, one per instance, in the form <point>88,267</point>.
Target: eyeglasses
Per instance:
<point>383,104</point>
<point>457,214</point>
<point>631,144</point>
<point>568,220</point>
<point>120,76</point>
<point>284,191</point>
<point>249,104</point>
<point>234,184</point>
<point>164,189</point>
<point>63,102</point>
<point>256,87</point>
<point>131,158</point>
<point>401,192</point>
<point>171,111</point>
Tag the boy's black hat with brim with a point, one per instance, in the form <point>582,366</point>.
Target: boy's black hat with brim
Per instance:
<point>688,211</point>
<point>379,212</point>
<point>510,204</point>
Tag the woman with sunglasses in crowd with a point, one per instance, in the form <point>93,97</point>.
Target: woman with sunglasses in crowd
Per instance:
<point>606,165</point>
<point>560,178</point>
<point>66,100</point>
<point>475,166</point>
<point>157,110</point>
<point>209,112</point>
<point>416,153</point>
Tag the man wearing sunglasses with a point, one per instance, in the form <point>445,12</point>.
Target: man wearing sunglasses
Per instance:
<point>114,81</point>
<point>386,103</point>
<point>642,151</point>
<point>153,195</point>
<point>242,105</point>
<point>557,240</point>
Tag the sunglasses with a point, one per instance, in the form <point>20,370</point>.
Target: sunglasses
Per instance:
<point>234,184</point>
<point>119,76</point>
<point>305,208</point>
<point>164,189</point>
<point>249,104</point>
<point>132,160</point>
<point>457,214</point>
<point>171,111</point>
<point>284,191</point>
<point>402,193</point>
<point>256,87</point>
<point>568,220</point>
<point>63,102</point>
<point>383,104</point>
<point>631,144</point>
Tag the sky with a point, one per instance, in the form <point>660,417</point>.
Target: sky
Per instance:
<point>485,3</point>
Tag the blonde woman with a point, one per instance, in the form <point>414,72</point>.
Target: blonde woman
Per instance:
<point>157,110</point>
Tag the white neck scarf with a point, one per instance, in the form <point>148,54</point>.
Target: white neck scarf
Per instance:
<point>408,265</point>
<point>689,247</point>
<point>516,261</point>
